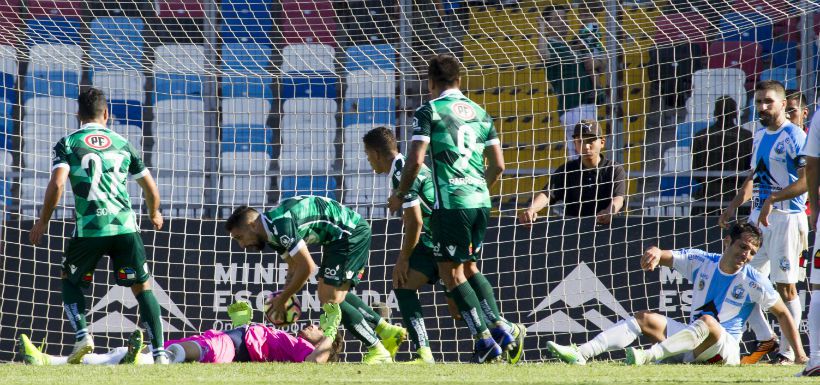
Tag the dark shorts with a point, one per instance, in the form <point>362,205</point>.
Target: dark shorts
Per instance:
<point>458,233</point>
<point>126,251</point>
<point>422,260</point>
<point>344,260</point>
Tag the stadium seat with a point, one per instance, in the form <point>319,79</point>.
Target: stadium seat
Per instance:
<point>734,54</point>
<point>8,77</point>
<point>250,58</point>
<point>309,21</point>
<point>47,8</point>
<point>31,197</point>
<point>133,133</point>
<point>126,112</point>
<point>246,162</point>
<point>785,54</point>
<point>56,30</point>
<point>672,68</point>
<point>372,82</point>
<point>676,160</point>
<point>364,57</point>
<point>115,8</point>
<point>353,156</point>
<point>179,72</point>
<point>369,21</point>
<point>750,27</point>
<point>684,132</point>
<point>691,27</point>
<point>245,111</point>
<point>309,85</point>
<point>319,185</point>
<point>6,162</point>
<point>122,85</point>
<point>308,58</point>
<point>307,135</point>
<point>45,121</point>
<point>179,135</point>
<point>785,75</point>
<point>188,9</point>
<point>709,85</point>
<point>374,111</point>
<point>54,70</point>
<point>246,138</point>
<point>10,22</point>
<point>116,43</point>
<point>182,191</point>
<point>667,206</point>
<point>246,21</point>
<point>320,110</point>
<point>244,190</point>
<point>365,189</point>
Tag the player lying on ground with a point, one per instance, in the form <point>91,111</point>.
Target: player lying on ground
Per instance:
<point>416,265</point>
<point>249,342</point>
<point>345,239</point>
<point>726,290</point>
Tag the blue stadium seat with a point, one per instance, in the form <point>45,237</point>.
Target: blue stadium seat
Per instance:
<point>677,186</point>
<point>686,130</point>
<point>247,139</point>
<point>177,86</point>
<point>309,85</point>
<point>52,83</point>
<point>753,27</point>
<point>376,111</point>
<point>246,21</point>
<point>53,30</point>
<point>246,58</point>
<point>126,112</point>
<point>320,185</point>
<point>116,43</point>
<point>247,87</point>
<point>362,57</point>
<point>785,75</point>
<point>785,54</point>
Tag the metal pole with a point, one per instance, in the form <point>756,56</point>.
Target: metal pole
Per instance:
<point>405,65</point>
<point>211,105</point>
<point>807,74</point>
<point>617,144</point>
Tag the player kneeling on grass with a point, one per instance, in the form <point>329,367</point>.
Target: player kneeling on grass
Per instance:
<point>345,239</point>
<point>726,290</point>
<point>246,342</point>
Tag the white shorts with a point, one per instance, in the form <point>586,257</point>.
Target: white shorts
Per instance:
<point>725,351</point>
<point>783,242</point>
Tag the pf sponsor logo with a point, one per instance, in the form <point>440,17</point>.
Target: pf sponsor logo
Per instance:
<point>463,111</point>
<point>98,141</point>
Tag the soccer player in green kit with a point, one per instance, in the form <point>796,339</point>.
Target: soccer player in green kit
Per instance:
<point>345,238</point>
<point>460,135</point>
<point>97,161</point>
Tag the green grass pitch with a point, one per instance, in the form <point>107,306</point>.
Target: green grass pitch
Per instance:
<point>461,374</point>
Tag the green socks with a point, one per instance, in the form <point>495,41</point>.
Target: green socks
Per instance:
<point>368,313</point>
<point>486,297</point>
<point>150,318</point>
<point>355,323</point>
<point>74,305</point>
<point>410,308</point>
<point>467,303</point>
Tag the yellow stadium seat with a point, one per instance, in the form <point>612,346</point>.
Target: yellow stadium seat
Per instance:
<point>633,158</point>
<point>518,188</point>
<point>638,23</point>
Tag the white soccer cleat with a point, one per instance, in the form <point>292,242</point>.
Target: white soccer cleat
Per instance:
<point>568,354</point>
<point>636,356</point>
<point>162,358</point>
<point>81,348</point>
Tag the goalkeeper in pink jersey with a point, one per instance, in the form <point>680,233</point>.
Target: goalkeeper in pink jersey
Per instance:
<point>248,342</point>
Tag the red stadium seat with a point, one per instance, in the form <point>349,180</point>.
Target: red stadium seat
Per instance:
<point>308,21</point>
<point>737,54</point>
<point>786,28</point>
<point>181,9</point>
<point>10,22</point>
<point>72,8</point>
<point>681,27</point>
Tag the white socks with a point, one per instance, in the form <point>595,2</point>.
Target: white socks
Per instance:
<point>177,353</point>
<point>797,313</point>
<point>759,325</point>
<point>814,328</point>
<point>683,341</point>
<point>618,336</point>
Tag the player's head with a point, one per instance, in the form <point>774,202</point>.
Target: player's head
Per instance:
<point>741,244</point>
<point>443,72</point>
<point>797,107</point>
<point>314,335</point>
<point>92,106</point>
<point>726,109</point>
<point>770,101</point>
<point>555,19</point>
<point>245,229</point>
<point>381,148</point>
<point>588,138</point>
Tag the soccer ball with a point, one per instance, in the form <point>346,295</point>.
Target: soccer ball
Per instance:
<point>293,309</point>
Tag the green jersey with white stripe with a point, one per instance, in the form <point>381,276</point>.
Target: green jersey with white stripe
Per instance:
<point>307,220</point>
<point>457,130</point>
<point>422,193</point>
<point>99,162</point>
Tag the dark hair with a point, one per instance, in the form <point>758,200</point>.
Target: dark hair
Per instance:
<point>738,229</point>
<point>336,347</point>
<point>771,85</point>
<point>726,106</point>
<point>792,94</point>
<point>239,217</point>
<point>380,139</point>
<point>92,104</point>
<point>443,69</point>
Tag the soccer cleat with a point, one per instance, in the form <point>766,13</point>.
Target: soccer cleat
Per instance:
<point>377,355</point>
<point>813,371</point>
<point>81,348</point>
<point>31,354</point>
<point>636,356</point>
<point>486,351</point>
<point>503,338</point>
<point>568,354</point>
<point>781,359</point>
<point>161,358</point>
<point>135,346</point>
<point>515,354</point>
<point>763,348</point>
<point>424,356</point>
<point>392,337</point>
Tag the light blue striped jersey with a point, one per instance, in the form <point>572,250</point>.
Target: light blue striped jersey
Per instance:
<point>775,161</point>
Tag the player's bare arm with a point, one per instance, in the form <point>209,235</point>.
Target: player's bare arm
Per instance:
<point>415,158</point>
<point>151,194</point>
<point>744,194</point>
<point>786,322</point>
<point>495,164</point>
<point>654,256</point>
<point>300,265</point>
<point>793,190</point>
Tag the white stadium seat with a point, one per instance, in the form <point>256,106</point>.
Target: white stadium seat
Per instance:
<point>45,121</point>
<point>244,162</point>
<point>56,57</point>
<point>677,159</point>
<point>371,83</point>
<point>245,111</point>
<point>120,85</point>
<point>244,190</point>
<point>180,58</point>
<point>308,58</point>
<point>8,60</point>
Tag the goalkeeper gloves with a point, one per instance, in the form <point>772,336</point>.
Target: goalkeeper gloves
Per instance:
<point>330,319</point>
<point>240,313</point>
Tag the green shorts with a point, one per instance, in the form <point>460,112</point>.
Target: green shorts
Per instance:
<point>126,251</point>
<point>422,260</point>
<point>458,233</point>
<point>344,260</point>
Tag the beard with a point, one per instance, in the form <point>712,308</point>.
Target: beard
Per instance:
<point>258,246</point>
<point>766,120</point>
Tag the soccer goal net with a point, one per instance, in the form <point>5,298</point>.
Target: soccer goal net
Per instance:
<point>248,102</point>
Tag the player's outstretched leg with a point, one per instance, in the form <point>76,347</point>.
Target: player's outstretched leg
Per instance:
<point>681,342</point>
<point>616,337</point>
<point>390,335</point>
<point>74,305</point>
<point>135,346</point>
<point>31,354</point>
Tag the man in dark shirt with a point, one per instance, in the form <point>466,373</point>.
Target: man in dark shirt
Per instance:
<point>590,185</point>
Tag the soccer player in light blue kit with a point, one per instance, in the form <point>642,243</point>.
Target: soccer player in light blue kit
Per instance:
<point>777,187</point>
<point>725,291</point>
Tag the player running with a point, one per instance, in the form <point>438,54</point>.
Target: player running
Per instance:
<point>726,289</point>
<point>245,342</point>
<point>97,162</point>
<point>460,135</point>
<point>345,239</point>
<point>777,187</point>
